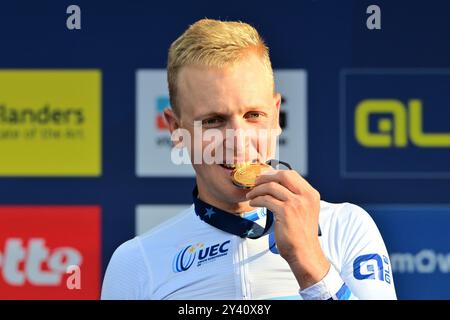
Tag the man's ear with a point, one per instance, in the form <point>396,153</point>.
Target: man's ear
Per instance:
<point>171,119</point>
<point>277,101</point>
<point>176,133</point>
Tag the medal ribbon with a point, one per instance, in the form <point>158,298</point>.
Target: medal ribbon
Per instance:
<point>230,222</point>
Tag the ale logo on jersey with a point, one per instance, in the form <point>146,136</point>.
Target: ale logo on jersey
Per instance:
<point>372,266</point>
<point>50,122</point>
<point>395,123</point>
<point>39,246</point>
<point>199,254</point>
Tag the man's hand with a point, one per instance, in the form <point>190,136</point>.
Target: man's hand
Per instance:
<point>295,205</point>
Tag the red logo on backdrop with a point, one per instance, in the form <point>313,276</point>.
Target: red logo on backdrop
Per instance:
<point>50,252</point>
<point>162,102</point>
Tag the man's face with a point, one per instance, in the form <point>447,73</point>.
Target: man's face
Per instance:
<point>239,97</point>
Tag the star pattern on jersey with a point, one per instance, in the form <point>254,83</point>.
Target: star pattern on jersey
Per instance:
<point>249,232</point>
<point>209,212</point>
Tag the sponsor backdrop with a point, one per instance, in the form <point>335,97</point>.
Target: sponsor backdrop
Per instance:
<point>85,153</point>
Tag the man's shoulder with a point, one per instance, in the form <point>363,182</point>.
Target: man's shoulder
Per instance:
<point>135,246</point>
<point>343,213</point>
<point>127,251</point>
<point>172,226</point>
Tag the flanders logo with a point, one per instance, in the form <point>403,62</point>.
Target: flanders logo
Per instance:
<point>50,122</point>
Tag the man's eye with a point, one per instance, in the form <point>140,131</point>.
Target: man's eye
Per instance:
<point>254,115</point>
<point>212,122</point>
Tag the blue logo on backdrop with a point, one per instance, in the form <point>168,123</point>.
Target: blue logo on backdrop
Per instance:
<point>376,268</point>
<point>186,257</point>
<point>395,123</point>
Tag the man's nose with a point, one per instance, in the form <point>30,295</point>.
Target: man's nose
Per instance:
<point>239,138</point>
<point>236,123</point>
<point>238,128</point>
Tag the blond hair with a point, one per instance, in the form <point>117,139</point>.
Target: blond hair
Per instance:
<point>213,43</point>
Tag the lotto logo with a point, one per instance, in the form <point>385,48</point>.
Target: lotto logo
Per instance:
<point>33,257</point>
<point>50,252</point>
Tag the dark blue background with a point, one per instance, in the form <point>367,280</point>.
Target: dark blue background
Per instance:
<point>119,37</point>
<point>411,230</point>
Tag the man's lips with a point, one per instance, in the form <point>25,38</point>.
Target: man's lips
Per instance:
<point>228,166</point>
<point>232,166</point>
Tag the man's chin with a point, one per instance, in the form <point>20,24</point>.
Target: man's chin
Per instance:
<point>237,195</point>
<point>231,194</point>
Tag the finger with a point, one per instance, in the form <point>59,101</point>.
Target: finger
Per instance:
<point>268,202</point>
<point>274,189</point>
<point>288,178</point>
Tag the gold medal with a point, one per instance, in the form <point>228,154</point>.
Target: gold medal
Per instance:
<point>244,176</point>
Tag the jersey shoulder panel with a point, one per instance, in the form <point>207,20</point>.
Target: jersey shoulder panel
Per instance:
<point>127,276</point>
<point>348,228</point>
<point>345,216</point>
<point>185,216</point>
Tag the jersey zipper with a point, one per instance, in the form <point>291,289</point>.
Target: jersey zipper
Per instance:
<point>245,286</point>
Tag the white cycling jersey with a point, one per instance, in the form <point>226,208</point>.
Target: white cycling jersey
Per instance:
<point>186,258</point>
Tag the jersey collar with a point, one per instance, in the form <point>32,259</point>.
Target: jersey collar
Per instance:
<point>229,222</point>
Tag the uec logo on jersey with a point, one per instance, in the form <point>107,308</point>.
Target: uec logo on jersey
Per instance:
<point>186,257</point>
<point>372,266</point>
